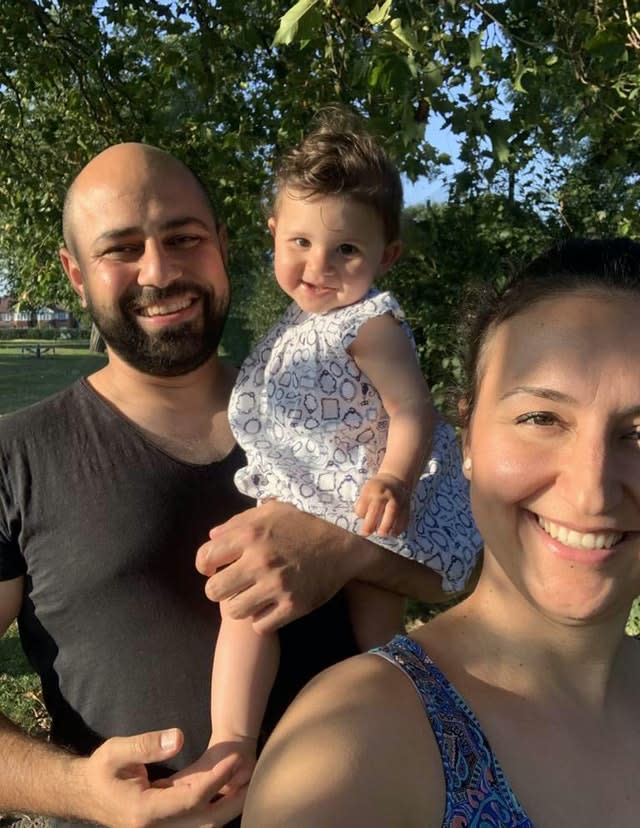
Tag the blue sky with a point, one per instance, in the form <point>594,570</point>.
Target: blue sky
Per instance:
<point>434,189</point>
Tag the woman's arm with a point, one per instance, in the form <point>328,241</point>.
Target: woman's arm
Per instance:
<point>355,748</point>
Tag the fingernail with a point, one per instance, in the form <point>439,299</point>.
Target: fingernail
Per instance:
<point>168,739</point>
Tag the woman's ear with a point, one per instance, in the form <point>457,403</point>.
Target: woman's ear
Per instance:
<point>463,413</point>
<point>271,224</point>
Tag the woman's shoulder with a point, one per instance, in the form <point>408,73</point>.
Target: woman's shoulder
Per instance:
<point>357,741</point>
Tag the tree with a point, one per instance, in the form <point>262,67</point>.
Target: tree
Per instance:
<point>514,79</point>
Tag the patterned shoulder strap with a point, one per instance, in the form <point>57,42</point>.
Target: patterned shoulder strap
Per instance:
<point>476,791</point>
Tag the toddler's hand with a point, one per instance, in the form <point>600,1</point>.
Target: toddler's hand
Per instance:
<point>237,755</point>
<point>383,505</point>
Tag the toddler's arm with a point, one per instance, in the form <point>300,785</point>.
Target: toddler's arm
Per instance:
<point>244,669</point>
<point>385,354</point>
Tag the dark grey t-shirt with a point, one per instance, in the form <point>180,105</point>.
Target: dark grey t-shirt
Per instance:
<point>105,525</point>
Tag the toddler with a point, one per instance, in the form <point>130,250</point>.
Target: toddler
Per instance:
<point>333,412</point>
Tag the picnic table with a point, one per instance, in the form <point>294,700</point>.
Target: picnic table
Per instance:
<point>38,350</point>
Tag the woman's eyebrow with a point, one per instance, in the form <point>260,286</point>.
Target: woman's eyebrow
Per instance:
<point>539,391</point>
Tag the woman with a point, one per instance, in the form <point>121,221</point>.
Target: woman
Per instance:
<point>538,652</point>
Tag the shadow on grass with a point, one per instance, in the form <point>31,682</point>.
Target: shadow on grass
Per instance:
<point>12,660</point>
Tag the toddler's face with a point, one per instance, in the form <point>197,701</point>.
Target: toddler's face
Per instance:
<point>328,249</point>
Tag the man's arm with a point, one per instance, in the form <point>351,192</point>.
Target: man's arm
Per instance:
<point>275,564</point>
<point>111,786</point>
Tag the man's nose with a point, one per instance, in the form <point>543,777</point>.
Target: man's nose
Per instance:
<point>157,266</point>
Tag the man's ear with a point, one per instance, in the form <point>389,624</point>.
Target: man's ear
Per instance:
<point>223,241</point>
<point>271,224</point>
<point>390,255</point>
<point>74,273</point>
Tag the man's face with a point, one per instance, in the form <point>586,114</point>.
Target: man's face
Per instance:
<point>152,268</point>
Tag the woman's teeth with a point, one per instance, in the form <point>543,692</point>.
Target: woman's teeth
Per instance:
<point>579,540</point>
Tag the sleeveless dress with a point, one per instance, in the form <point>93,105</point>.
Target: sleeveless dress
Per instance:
<point>314,430</point>
<point>477,792</point>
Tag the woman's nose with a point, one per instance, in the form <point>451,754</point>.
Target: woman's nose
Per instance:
<point>593,477</point>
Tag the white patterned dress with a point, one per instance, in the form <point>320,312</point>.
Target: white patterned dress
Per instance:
<point>314,430</point>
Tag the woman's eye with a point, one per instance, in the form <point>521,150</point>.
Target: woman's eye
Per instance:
<point>537,418</point>
<point>301,242</point>
<point>634,434</point>
<point>348,249</point>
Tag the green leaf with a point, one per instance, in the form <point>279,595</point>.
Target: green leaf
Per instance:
<point>404,35</point>
<point>289,22</point>
<point>475,52</point>
<point>499,133</point>
<point>379,13</point>
<point>521,71</point>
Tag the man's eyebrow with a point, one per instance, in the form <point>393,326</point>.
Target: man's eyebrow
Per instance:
<point>119,233</point>
<point>181,222</point>
<point>539,391</point>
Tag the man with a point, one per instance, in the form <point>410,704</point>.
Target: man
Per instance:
<point>107,490</point>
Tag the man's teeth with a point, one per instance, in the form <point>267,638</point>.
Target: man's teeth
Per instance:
<point>168,307</point>
<point>579,540</point>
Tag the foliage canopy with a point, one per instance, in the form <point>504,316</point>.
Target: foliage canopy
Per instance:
<point>542,95</point>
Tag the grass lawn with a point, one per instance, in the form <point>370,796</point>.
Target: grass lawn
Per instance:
<point>25,379</point>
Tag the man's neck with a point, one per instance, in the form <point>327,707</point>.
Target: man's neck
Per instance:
<point>185,415</point>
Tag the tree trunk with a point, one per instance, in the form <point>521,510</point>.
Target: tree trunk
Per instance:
<point>96,342</point>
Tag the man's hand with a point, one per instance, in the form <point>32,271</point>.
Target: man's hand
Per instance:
<point>275,564</point>
<point>383,505</point>
<point>116,791</point>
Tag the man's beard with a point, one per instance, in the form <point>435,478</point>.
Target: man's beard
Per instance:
<point>170,352</point>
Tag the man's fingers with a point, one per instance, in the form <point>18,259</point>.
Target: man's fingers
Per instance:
<point>155,746</point>
<point>251,603</point>
<point>274,616</point>
<point>216,553</point>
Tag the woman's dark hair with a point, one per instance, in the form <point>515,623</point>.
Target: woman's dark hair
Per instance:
<point>599,265</point>
<point>339,157</point>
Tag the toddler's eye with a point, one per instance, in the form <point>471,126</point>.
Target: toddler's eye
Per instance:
<point>348,249</point>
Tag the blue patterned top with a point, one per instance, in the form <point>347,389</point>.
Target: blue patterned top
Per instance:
<point>477,792</point>
<point>314,429</point>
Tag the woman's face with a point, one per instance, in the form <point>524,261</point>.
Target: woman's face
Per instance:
<point>554,444</point>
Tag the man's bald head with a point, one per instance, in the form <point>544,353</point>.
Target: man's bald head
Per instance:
<point>113,165</point>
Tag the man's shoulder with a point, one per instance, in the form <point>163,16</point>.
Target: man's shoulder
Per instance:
<point>47,413</point>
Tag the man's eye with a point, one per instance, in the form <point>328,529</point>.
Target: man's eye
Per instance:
<point>184,241</point>
<point>122,251</point>
<point>537,418</point>
<point>348,249</point>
